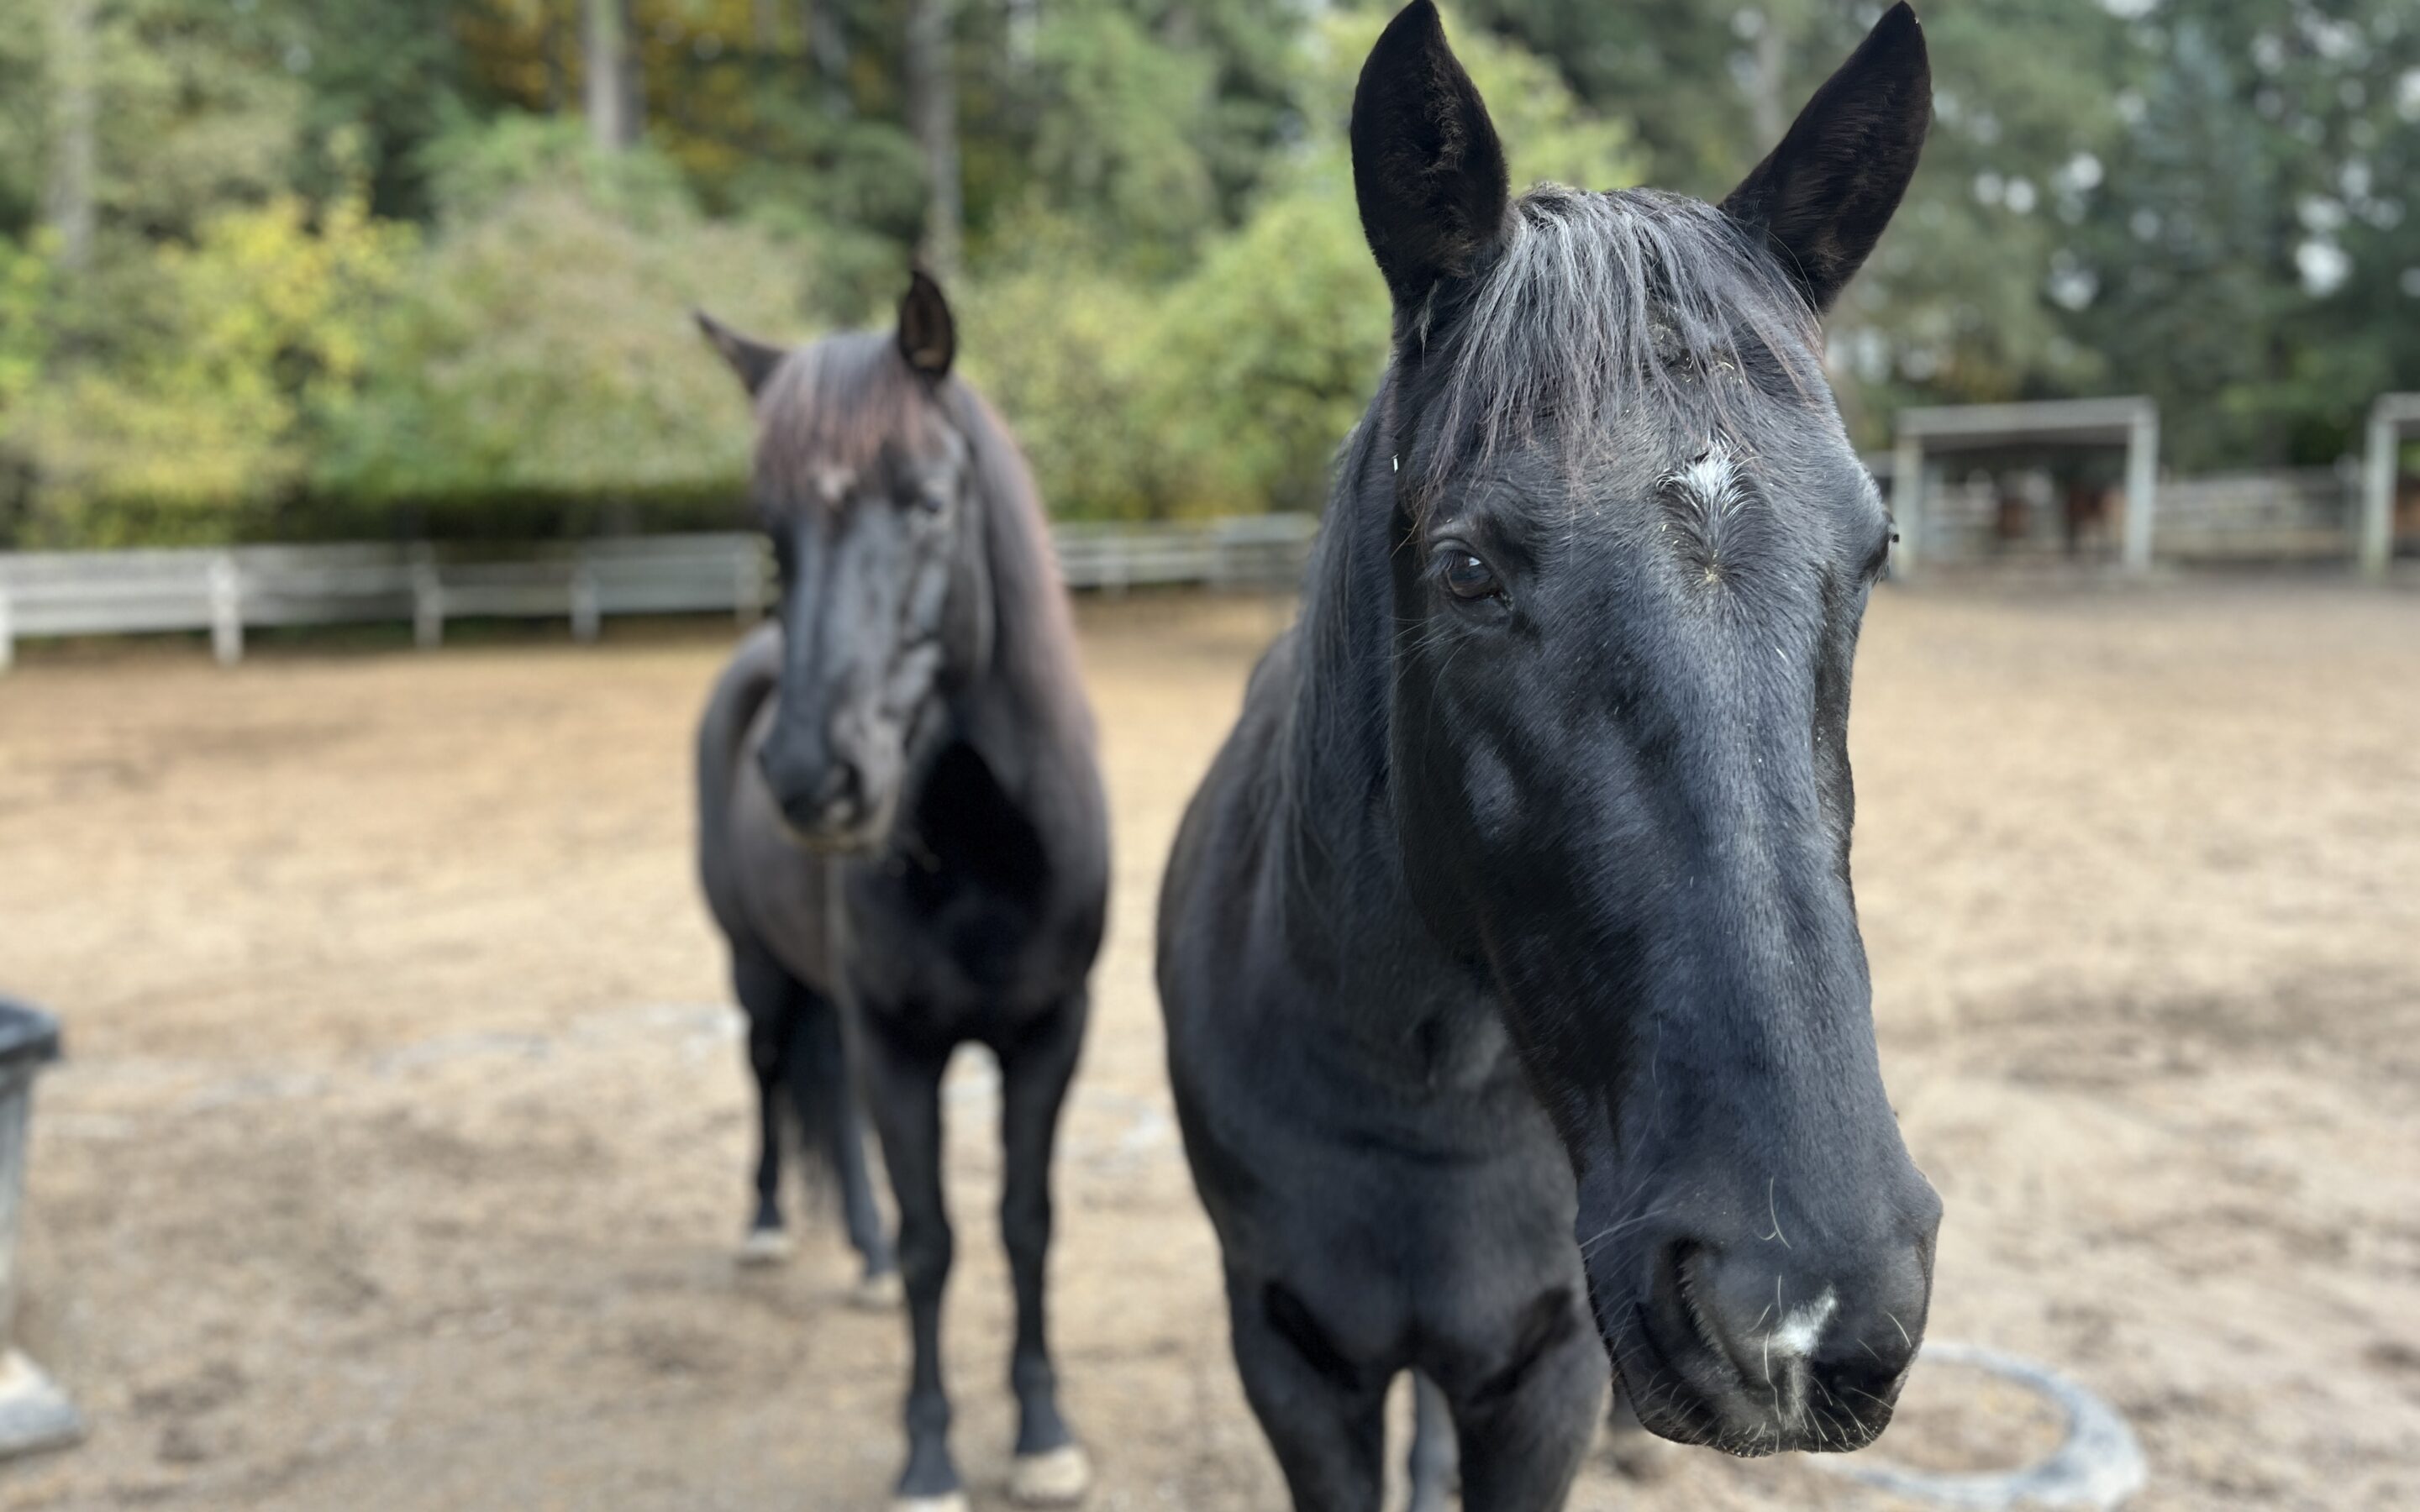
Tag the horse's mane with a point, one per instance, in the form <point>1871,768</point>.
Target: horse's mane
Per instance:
<point>837,402</point>
<point>1599,312</point>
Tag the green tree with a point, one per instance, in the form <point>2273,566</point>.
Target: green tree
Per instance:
<point>543,347</point>
<point>265,329</point>
<point>1229,388</point>
<point>2254,262</point>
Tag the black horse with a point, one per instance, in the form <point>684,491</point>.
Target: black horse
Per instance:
<point>901,824</point>
<point>1509,962</point>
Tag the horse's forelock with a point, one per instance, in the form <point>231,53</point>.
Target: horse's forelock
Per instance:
<point>832,407</point>
<point>1601,310</point>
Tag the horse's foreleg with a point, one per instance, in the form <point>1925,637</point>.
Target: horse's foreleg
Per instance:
<point>763,992</point>
<point>1325,1415</point>
<point>1524,1432</point>
<point>827,1097</point>
<point>1051,1469</point>
<point>903,1088</point>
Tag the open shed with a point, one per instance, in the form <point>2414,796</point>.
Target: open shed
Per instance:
<point>1923,434</point>
<point>2392,418</point>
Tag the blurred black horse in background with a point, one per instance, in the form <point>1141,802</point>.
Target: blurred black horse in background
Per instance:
<point>901,824</point>
<point>1518,1011</point>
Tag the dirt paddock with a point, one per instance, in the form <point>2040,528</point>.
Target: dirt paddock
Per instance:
<point>403,1146</point>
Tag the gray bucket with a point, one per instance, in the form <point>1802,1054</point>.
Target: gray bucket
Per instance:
<point>34,1412</point>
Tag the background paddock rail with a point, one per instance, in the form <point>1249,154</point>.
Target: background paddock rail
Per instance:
<point>226,591</point>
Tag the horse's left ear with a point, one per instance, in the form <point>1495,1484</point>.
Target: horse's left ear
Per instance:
<point>1428,172</point>
<point>1823,196</point>
<point>754,361</point>
<point>928,336</point>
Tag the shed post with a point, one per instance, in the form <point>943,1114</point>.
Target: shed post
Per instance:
<point>2376,545</point>
<point>1907,503</point>
<point>2142,487</point>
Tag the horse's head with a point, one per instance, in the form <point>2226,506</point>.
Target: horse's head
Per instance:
<point>1632,546</point>
<point>867,481</point>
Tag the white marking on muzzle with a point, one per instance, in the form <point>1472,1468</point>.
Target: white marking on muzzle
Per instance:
<point>1802,1327</point>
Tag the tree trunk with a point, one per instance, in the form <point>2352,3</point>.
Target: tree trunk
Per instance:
<point>1024,31</point>
<point>933,111</point>
<point>826,32</point>
<point>73,121</point>
<point>549,48</point>
<point>1764,99</point>
<point>613,90</point>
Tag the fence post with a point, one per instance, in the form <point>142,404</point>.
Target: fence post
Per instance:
<point>587,608</point>
<point>227,610</point>
<point>8,634</point>
<point>428,601</point>
<point>748,584</point>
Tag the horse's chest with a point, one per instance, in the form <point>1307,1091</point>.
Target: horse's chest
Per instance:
<point>934,934</point>
<point>974,902</point>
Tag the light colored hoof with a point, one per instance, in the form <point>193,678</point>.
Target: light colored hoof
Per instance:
<point>1055,1478</point>
<point>764,1247</point>
<point>953,1501</point>
<point>1641,1459</point>
<point>879,1294</point>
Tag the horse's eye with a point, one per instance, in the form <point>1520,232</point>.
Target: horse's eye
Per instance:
<point>1467,577</point>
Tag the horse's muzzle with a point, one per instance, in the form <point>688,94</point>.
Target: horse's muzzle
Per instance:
<point>1757,1345</point>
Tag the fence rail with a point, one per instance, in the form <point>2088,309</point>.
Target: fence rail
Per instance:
<point>229,591</point>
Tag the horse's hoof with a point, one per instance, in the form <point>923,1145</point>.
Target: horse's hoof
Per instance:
<point>946,1501</point>
<point>1054,1477</point>
<point>764,1247</point>
<point>1640,1458</point>
<point>879,1294</point>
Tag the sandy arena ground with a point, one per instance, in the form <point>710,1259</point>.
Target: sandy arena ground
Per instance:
<point>403,1148</point>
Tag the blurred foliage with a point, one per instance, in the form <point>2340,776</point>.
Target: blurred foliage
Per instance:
<point>1228,389</point>
<point>356,268</point>
<point>543,342</point>
<point>2254,257</point>
<point>261,332</point>
<point>2203,200</point>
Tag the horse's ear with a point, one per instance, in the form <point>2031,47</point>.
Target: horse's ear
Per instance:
<point>1823,196</point>
<point>928,336</point>
<point>752,361</point>
<point>1427,169</point>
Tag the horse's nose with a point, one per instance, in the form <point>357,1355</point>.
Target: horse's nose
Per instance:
<point>817,789</point>
<point>1818,1336</point>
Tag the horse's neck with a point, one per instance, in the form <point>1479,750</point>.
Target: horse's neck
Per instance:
<point>1024,712</point>
<point>1335,864</point>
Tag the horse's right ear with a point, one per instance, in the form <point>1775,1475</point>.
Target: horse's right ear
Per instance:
<point>1820,200</point>
<point>752,361</point>
<point>1428,171</point>
<point>928,333</point>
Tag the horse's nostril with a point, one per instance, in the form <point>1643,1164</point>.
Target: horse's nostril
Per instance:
<point>814,787</point>
<point>841,786</point>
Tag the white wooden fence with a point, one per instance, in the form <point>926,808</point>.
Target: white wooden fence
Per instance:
<point>229,591</point>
